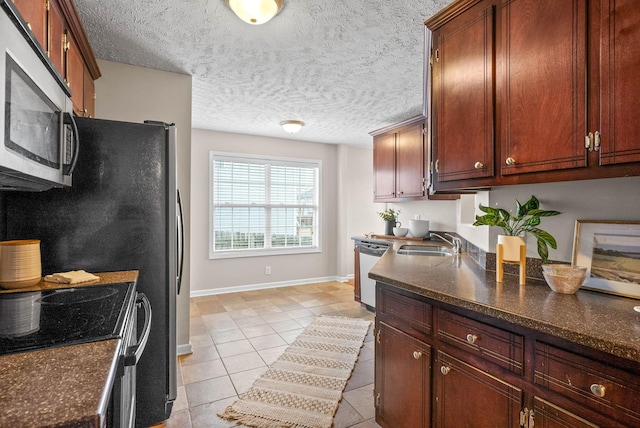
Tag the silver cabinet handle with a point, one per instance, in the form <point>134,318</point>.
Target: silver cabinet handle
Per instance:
<point>417,355</point>
<point>445,370</point>
<point>597,390</point>
<point>478,165</point>
<point>510,161</point>
<point>471,338</point>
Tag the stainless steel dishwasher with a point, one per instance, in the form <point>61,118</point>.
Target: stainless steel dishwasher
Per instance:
<point>370,252</point>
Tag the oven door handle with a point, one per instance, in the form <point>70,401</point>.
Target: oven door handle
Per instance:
<point>134,353</point>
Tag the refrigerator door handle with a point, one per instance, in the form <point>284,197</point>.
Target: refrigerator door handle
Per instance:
<point>180,232</point>
<point>134,353</point>
<point>68,119</point>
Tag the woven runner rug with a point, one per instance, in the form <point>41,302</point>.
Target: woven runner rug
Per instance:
<point>303,387</point>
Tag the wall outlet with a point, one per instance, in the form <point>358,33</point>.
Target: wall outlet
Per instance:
<point>267,270</point>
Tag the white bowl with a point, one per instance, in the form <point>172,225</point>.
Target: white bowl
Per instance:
<point>564,279</point>
<point>419,228</point>
<point>400,231</point>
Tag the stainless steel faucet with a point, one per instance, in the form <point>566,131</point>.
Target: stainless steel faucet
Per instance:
<point>455,242</point>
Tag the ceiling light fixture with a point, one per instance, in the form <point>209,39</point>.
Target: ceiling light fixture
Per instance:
<point>292,126</point>
<point>255,12</point>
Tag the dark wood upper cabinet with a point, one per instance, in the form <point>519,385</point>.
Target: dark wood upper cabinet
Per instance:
<point>57,40</point>
<point>619,82</point>
<point>399,161</point>
<point>384,167</point>
<point>532,91</point>
<point>462,96</point>
<point>58,29</point>
<point>34,13</point>
<point>542,91</point>
<point>410,171</point>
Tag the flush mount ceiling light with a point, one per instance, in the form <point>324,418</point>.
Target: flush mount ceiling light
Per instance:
<point>292,126</point>
<point>255,12</point>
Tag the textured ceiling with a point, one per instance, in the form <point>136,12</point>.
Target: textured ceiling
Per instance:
<point>344,67</point>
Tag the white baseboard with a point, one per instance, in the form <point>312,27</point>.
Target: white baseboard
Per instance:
<point>263,286</point>
<point>185,349</point>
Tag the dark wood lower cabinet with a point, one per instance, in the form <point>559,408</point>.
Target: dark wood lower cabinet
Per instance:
<point>438,365</point>
<point>547,415</point>
<point>466,396</point>
<point>403,383</point>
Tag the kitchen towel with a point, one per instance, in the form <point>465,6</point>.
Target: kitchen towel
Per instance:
<point>71,277</point>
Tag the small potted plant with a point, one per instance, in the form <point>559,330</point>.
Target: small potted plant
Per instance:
<point>390,217</point>
<point>527,217</point>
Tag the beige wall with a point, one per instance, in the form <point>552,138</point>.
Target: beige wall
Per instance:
<point>134,94</point>
<point>210,276</point>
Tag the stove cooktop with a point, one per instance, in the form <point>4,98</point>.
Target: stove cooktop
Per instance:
<point>41,319</point>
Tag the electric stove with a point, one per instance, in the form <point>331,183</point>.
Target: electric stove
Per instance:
<point>41,319</point>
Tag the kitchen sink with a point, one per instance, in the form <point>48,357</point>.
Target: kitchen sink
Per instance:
<point>425,250</point>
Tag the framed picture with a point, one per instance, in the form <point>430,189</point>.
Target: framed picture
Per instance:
<point>610,250</point>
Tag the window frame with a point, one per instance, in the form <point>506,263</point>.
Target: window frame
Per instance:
<point>269,251</point>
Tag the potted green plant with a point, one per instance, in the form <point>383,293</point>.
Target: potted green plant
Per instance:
<point>390,217</point>
<point>526,219</point>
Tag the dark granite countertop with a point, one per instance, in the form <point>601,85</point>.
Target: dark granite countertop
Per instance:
<point>67,386</point>
<point>597,320</point>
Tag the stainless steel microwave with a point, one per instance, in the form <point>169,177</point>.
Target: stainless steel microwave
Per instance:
<point>38,137</point>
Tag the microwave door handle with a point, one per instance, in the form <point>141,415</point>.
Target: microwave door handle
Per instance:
<point>181,242</point>
<point>76,143</point>
<point>133,353</point>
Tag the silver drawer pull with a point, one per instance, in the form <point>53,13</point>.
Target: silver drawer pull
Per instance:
<point>417,355</point>
<point>445,370</point>
<point>598,390</point>
<point>510,161</point>
<point>471,338</point>
<point>478,165</point>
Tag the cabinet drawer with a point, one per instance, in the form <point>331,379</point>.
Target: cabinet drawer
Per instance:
<point>404,313</point>
<point>601,387</point>
<point>495,345</point>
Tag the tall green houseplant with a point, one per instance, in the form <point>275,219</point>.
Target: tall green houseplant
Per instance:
<point>526,219</point>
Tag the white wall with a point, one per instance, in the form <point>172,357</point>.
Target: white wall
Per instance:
<point>211,276</point>
<point>357,211</point>
<point>134,94</point>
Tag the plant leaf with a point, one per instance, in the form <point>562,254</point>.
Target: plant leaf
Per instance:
<point>529,206</point>
<point>543,251</point>
<point>531,222</point>
<point>545,236</point>
<point>543,213</point>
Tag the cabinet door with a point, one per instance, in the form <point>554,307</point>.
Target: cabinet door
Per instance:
<point>410,170</point>
<point>462,96</point>
<point>466,396</point>
<point>57,38</point>
<point>384,166</point>
<point>75,74</point>
<point>402,380</point>
<point>89,90</point>
<point>34,12</point>
<point>542,89</point>
<point>620,82</point>
<point>548,415</point>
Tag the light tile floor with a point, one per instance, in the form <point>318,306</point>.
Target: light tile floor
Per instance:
<point>236,336</point>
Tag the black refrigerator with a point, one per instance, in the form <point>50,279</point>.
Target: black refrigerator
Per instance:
<point>121,213</point>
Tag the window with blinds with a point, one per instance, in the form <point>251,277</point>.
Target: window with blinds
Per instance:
<point>263,205</point>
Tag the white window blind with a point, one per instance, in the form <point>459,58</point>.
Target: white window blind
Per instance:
<point>263,205</point>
